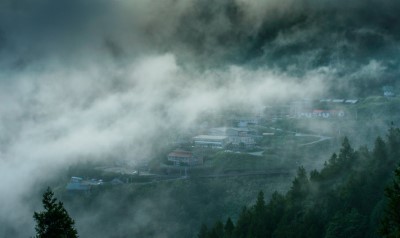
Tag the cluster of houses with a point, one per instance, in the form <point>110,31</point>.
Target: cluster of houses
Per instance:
<point>246,121</point>
<point>221,137</point>
<point>388,91</point>
<point>241,136</point>
<point>322,114</point>
<point>215,138</point>
<point>78,184</point>
<point>314,109</point>
<point>210,141</point>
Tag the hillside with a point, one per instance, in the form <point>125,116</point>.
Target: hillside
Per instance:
<point>344,199</point>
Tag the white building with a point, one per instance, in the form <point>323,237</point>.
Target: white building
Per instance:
<point>247,121</point>
<point>388,91</point>
<point>211,141</point>
<point>236,136</point>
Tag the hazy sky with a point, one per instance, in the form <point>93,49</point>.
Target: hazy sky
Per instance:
<point>92,79</point>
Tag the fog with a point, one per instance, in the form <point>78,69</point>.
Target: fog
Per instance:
<point>93,80</point>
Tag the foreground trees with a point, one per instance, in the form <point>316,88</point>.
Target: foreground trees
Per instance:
<point>390,226</point>
<point>347,198</point>
<point>54,221</point>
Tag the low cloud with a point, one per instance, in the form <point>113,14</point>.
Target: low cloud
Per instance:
<point>91,80</point>
<point>61,116</point>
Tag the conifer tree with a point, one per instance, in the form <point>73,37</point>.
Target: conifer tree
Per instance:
<point>390,225</point>
<point>393,142</point>
<point>229,227</point>
<point>258,227</point>
<point>203,231</point>
<point>243,224</point>
<point>346,152</point>
<point>217,231</point>
<point>54,221</point>
<point>300,186</point>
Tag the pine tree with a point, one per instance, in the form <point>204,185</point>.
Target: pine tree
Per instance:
<point>346,152</point>
<point>393,142</point>
<point>260,204</point>
<point>300,186</point>
<point>243,224</point>
<point>229,227</point>
<point>380,151</point>
<point>346,224</point>
<point>390,225</point>
<point>257,228</point>
<point>54,221</point>
<point>275,209</point>
<point>217,231</point>
<point>203,231</point>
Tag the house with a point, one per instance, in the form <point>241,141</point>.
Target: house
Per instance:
<point>268,134</point>
<point>236,136</point>
<point>305,115</point>
<point>247,121</point>
<point>211,141</point>
<point>325,100</point>
<point>182,157</point>
<point>338,100</point>
<point>328,113</point>
<point>351,101</point>
<point>78,184</point>
<point>345,101</point>
<point>231,131</point>
<point>321,113</point>
<point>388,91</point>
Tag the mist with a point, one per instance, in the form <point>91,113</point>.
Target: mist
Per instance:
<point>94,80</point>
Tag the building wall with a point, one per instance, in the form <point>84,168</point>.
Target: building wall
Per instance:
<point>185,160</point>
<point>212,144</point>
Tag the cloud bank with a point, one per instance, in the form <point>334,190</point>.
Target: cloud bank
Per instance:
<point>91,80</point>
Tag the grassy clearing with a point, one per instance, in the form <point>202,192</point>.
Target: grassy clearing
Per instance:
<point>177,208</point>
<point>239,161</point>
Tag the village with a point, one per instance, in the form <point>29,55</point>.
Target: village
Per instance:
<point>239,144</point>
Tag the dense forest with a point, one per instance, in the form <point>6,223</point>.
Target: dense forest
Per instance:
<point>355,194</point>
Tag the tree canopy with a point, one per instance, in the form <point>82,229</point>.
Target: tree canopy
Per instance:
<point>346,198</point>
<point>54,221</point>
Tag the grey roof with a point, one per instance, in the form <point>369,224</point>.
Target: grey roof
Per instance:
<point>351,101</point>
<point>224,129</point>
<point>209,137</point>
<point>325,100</point>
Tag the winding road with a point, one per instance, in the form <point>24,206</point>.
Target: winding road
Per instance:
<point>321,138</point>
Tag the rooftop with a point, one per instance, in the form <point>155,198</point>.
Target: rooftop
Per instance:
<point>351,101</point>
<point>224,129</point>
<point>209,137</point>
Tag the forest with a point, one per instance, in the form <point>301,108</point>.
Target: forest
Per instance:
<point>355,194</point>
<point>97,89</point>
